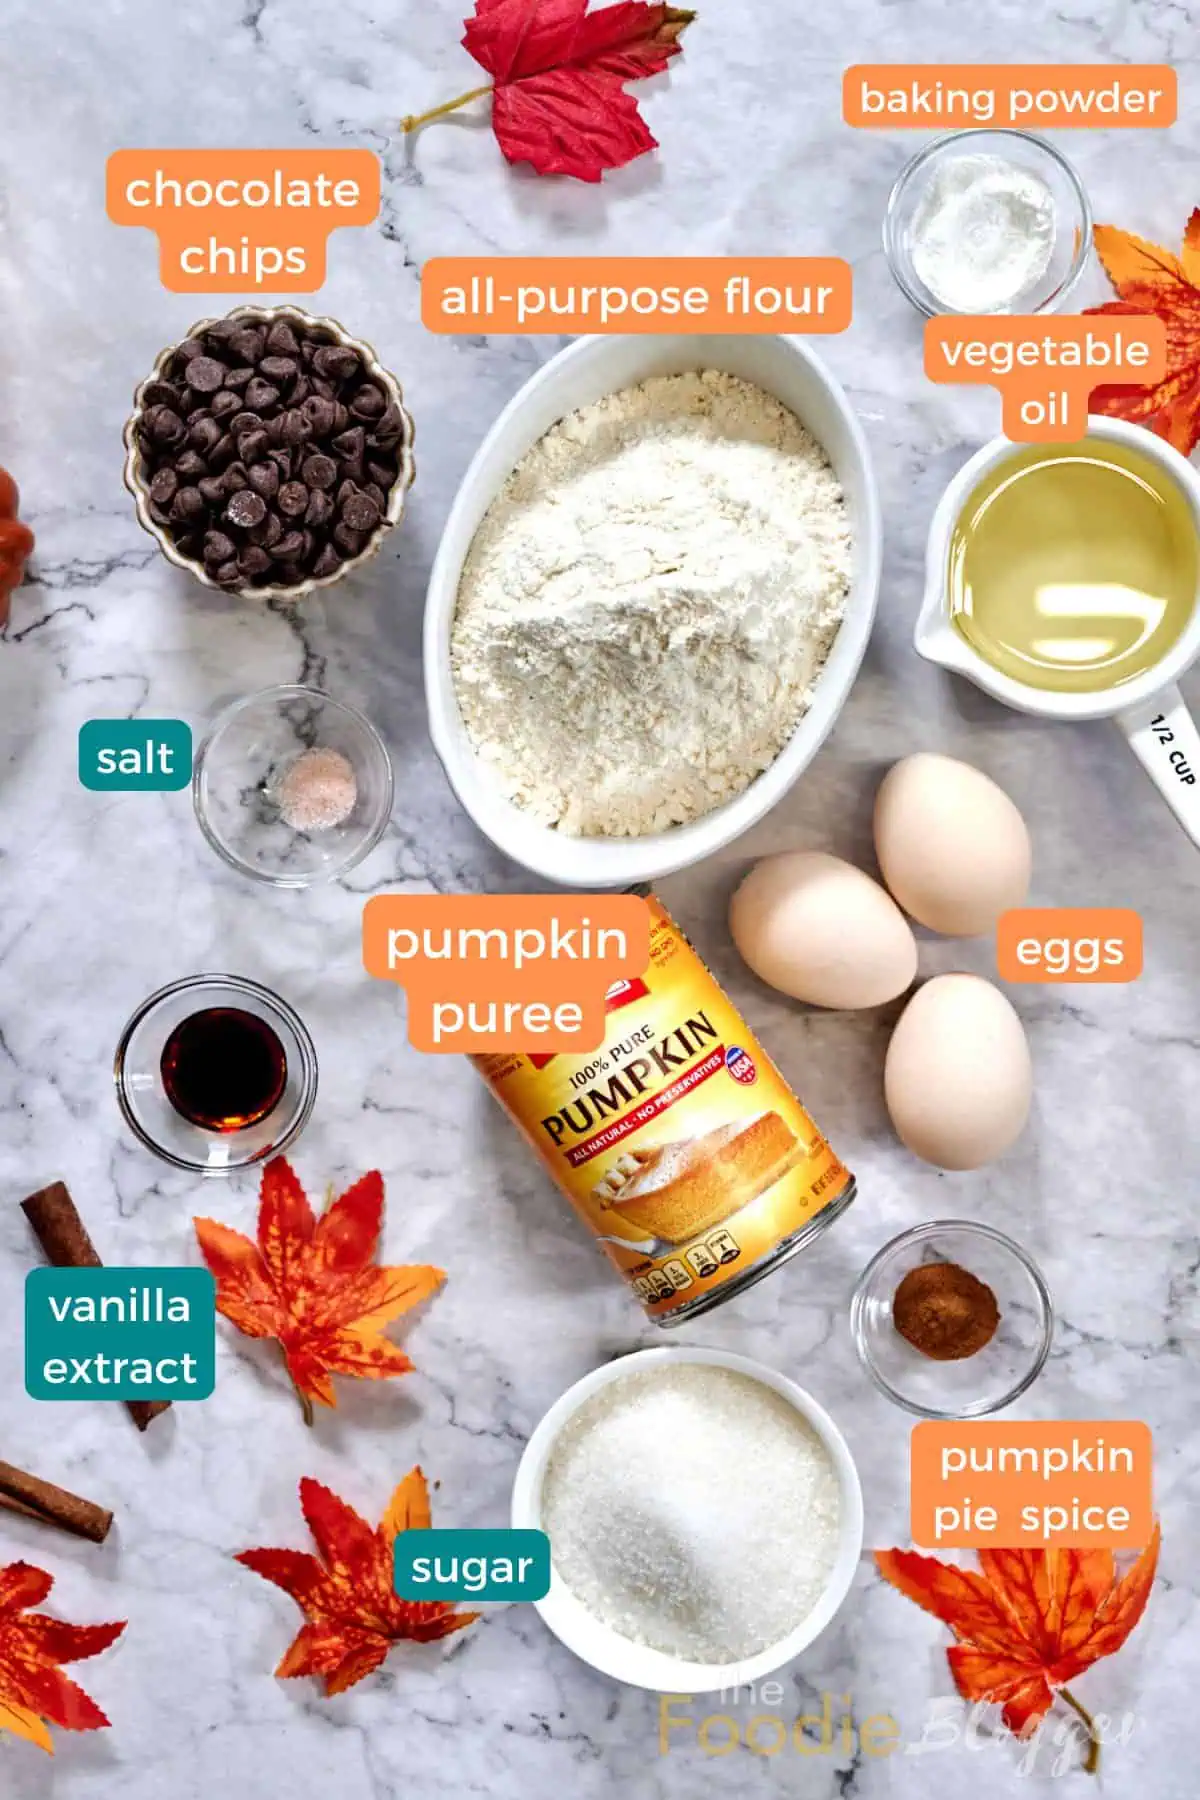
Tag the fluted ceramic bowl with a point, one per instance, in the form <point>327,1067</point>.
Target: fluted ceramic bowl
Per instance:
<point>137,483</point>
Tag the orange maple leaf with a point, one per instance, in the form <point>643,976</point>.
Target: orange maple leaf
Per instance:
<point>352,1611</point>
<point>1029,1623</point>
<point>314,1284</point>
<point>33,1689</point>
<point>1150,280</point>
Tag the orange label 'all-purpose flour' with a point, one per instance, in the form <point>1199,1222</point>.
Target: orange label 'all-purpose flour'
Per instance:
<point>678,1141</point>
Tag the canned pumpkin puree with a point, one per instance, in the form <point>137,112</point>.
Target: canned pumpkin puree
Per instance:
<point>678,1141</point>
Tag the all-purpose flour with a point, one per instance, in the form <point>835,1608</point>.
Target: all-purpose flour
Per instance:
<point>647,604</point>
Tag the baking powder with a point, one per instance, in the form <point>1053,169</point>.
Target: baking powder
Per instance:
<point>982,233</point>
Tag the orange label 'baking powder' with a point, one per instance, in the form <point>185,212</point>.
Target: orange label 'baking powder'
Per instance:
<point>678,1141</point>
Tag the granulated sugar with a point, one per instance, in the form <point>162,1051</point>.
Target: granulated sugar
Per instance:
<point>691,1509</point>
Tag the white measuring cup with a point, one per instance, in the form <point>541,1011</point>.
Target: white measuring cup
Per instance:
<point>1149,709</point>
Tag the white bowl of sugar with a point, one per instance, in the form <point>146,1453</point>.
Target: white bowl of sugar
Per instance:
<point>571,385</point>
<point>705,1519</point>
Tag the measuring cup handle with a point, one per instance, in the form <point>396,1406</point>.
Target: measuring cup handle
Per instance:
<point>1163,736</point>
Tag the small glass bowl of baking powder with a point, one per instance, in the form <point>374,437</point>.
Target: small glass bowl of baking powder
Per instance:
<point>292,787</point>
<point>987,221</point>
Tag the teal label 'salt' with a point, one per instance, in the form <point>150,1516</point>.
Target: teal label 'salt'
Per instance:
<point>503,1564</point>
<point>135,755</point>
<point>120,1334</point>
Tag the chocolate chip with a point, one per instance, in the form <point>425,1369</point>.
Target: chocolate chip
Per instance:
<point>160,514</point>
<point>164,425</point>
<point>390,424</point>
<point>238,378</point>
<point>289,548</point>
<point>282,340</point>
<point>368,403</point>
<point>205,374</point>
<point>279,368</point>
<point>261,395</point>
<point>376,493</point>
<point>327,563</point>
<point>218,548</point>
<point>336,362</point>
<point>320,415</point>
<point>383,473</point>
<point>347,539</point>
<point>283,460</point>
<point>319,471</point>
<point>161,393</point>
<point>229,575</point>
<point>247,344</point>
<point>223,453</point>
<point>293,499</point>
<point>189,544</point>
<point>320,509</point>
<point>190,465</point>
<point>360,513</point>
<point>213,489</point>
<point>234,478</point>
<point>225,403</point>
<point>188,506</point>
<point>264,479</point>
<point>245,509</point>
<point>204,434</point>
<point>269,532</point>
<point>254,561</point>
<point>221,330</point>
<point>253,445</point>
<point>298,391</point>
<point>162,488</point>
<point>188,351</point>
<point>351,444</point>
<point>296,428</point>
<point>324,390</point>
<point>307,351</point>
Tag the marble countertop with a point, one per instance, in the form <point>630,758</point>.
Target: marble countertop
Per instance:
<point>106,897</point>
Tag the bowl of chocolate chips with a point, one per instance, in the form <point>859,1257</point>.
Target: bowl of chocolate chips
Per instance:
<point>269,453</point>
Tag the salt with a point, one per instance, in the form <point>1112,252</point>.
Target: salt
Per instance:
<point>317,791</point>
<point>691,1509</point>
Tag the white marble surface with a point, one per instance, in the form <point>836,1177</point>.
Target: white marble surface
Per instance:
<point>107,897</point>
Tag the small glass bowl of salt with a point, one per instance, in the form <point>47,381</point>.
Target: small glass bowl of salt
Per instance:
<point>292,787</point>
<point>987,221</point>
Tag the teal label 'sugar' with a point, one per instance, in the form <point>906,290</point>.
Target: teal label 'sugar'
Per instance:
<point>501,1564</point>
<point>120,1334</point>
<point>135,755</point>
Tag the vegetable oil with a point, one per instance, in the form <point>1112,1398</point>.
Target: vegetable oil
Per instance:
<point>1073,567</point>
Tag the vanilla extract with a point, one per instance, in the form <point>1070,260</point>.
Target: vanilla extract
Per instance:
<point>224,1069</point>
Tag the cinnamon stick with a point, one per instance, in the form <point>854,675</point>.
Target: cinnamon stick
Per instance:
<point>64,1237</point>
<point>37,1499</point>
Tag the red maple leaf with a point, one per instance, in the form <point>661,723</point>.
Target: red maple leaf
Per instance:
<point>353,1614</point>
<point>33,1689</point>
<point>314,1283</point>
<point>1028,1622</point>
<point>558,79</point>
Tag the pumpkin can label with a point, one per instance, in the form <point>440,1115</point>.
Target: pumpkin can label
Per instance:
<point>678,1141</point>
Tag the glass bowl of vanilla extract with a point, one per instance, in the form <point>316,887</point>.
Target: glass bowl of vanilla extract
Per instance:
<point>215,1073</point>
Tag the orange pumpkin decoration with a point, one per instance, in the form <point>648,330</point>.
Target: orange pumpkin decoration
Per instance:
<point>16,542</point>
